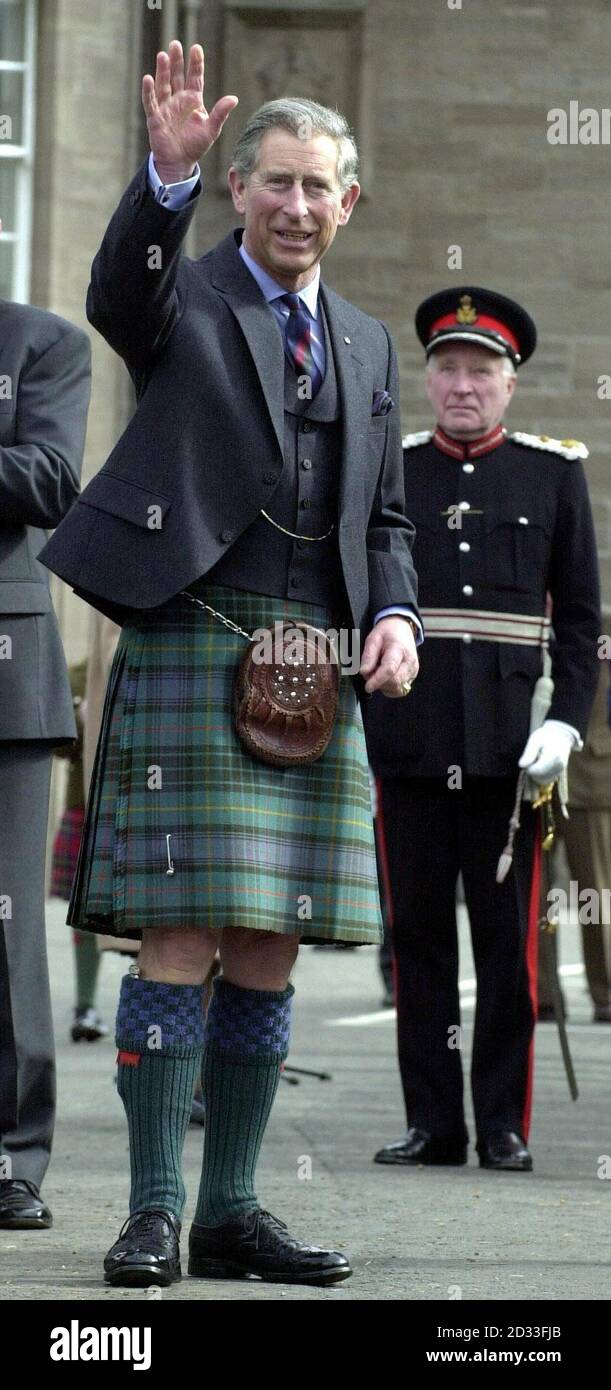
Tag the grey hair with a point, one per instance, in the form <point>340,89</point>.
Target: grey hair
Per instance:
<point>304,119</point>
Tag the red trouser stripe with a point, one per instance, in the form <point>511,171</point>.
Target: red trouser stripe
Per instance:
<point>532,955</point>
<point>381,839</point>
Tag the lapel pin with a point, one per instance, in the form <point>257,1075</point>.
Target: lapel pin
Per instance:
<point>346,340</point>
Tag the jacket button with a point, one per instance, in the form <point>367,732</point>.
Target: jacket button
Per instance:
<point>468,468</point>
<point>305,504</point>
<point>466,637</point>
<point>465,547</point>
<point>226,537</point>
<point>306,463</point>
<point>467,589</point>
<point>270,478</point>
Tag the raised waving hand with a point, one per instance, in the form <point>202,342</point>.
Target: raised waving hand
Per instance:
<point>181,130</point>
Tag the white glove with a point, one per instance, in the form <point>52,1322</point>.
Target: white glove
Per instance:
<point>548,749</point>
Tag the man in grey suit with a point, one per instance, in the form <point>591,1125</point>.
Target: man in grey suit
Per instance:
<point>44,396</point>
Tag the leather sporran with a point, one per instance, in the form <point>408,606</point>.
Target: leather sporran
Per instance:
<point>285,707</point>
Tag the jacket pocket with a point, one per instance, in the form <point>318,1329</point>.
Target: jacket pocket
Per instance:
<point>107,492</point>
<point>517,550</point>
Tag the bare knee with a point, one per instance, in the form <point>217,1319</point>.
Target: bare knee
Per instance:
<point>181,956</point>
<point>256,959</point>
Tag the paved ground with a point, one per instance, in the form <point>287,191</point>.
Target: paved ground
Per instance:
<point>424,1234</point>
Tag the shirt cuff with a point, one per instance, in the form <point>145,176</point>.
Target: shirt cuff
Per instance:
<point>172,196</point>
<point>402,612</point>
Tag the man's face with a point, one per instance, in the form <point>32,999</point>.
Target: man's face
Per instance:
<point>468,389</point>
<point>292,205</point>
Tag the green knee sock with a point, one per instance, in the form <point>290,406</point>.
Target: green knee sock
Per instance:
<point>86,965</point>
<point>159,1036</point>
<point>247,1034</point>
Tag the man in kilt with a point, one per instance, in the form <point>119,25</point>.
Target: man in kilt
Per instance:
<point>266,501</point>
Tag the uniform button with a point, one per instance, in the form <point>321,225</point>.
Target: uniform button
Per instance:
<point>464,506</point>
<point>294,583</point>
<point>305,427</point>
<point>305,504</point>
<point>523,520</point>
<point>270,478</point>
<point>468,468</point>
<point>467,589</point>
<point>306,463</point>
<point>466,637</point>
<point>464,546</point>
<point>226,537</point>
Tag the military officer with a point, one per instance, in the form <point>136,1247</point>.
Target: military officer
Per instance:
<point>503,529</point>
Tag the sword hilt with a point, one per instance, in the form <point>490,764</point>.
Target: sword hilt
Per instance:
<point>543,802</point>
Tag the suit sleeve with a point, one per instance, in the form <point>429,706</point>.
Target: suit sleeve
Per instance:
<point>40,472</point>
<point>132,299</point>
<point>390,535</point>
<point>574,587</point>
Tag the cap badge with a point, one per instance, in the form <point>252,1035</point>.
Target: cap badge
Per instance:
<point>465,312</point>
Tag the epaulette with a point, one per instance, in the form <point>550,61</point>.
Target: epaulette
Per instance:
<point>568,448</point>
<point>409,441</point>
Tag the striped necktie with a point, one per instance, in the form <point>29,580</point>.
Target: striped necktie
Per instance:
<point>299,341</point>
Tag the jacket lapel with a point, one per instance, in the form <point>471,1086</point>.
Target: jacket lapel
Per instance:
<point>239,288</point>
<point>354,388</point>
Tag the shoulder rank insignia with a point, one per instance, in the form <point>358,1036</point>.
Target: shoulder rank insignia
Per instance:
<point>409,441</point>
<point>567,448</point>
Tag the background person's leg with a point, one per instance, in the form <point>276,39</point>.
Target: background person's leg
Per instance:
<point>27,1054</point>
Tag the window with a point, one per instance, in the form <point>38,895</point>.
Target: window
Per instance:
<point>17,49</point>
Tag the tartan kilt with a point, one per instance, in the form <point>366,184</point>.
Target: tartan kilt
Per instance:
<point>289,850</point>
<point>65,852</point>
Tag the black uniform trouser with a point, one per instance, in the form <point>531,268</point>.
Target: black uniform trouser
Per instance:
<point>432,833</point>
<point>27,1053</point>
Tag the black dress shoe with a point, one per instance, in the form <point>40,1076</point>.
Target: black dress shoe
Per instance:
<point>421,1147</point>
<point>147,1251</point>
<point>506,1150</point>
<point>260,1244</point>
<point>22,1207</point>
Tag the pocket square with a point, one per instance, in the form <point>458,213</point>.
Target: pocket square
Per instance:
<point>382,403</point>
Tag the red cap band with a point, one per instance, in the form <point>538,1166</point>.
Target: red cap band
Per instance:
<point>482,321</point>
